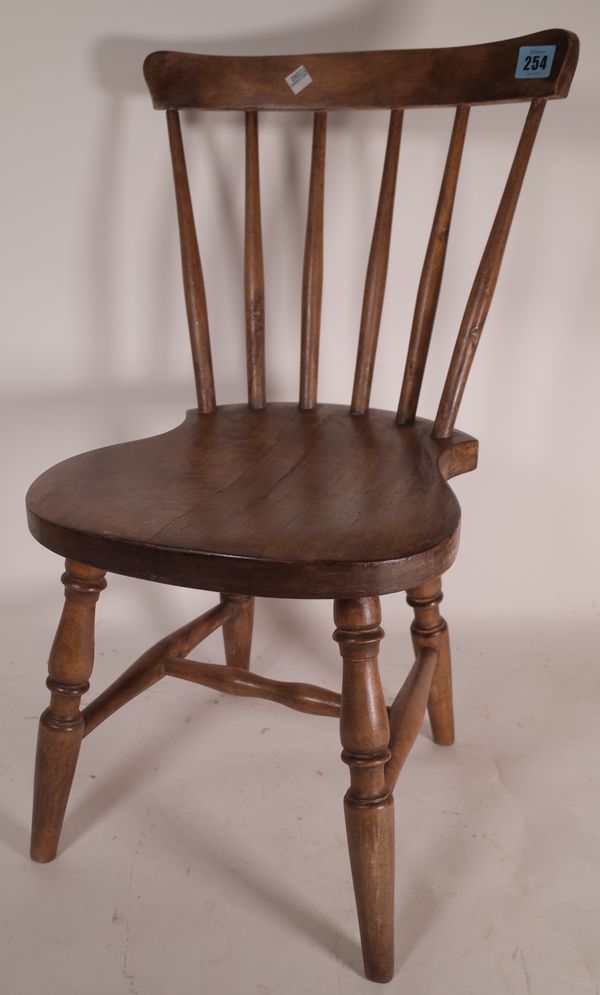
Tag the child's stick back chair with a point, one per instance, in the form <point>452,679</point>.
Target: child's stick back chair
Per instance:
<point>296,500</point>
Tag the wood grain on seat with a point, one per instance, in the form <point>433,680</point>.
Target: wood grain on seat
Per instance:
<point>260,502</point>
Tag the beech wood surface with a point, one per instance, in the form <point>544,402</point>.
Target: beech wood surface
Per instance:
<point>368,804</point>
<point>61,726</point>
<point>237,630</point>
<point>239,681</point>
<point>377,271</point>
<point>429,631</point>
<point>312,274</point>
<point>193,281</point>
<point>484,285</point>
<point>470,74</point>
<point>280,502</point>
<point>149,667</point>
<point>407,712</point>
<point>167,658</point>
<point>431,276</point>
<point>253,271</point>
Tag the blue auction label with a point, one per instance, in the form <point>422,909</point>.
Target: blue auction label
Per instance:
<point>535,61</point>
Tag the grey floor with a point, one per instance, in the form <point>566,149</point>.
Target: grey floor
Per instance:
<point>204,849</point>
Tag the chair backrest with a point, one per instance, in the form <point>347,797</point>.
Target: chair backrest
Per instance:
<point>534,68</point>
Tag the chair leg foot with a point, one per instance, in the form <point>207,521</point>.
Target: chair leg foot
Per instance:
<point>369,807</point>
<point>429,629</point>
<point>237,632</point>
<point>56,759</point>
<point>370,833</point>
<point>61,725</point>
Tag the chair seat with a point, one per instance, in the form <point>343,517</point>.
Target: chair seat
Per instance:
<point>278,502</point>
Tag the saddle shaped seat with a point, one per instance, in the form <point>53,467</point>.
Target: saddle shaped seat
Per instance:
<point>276,502</point>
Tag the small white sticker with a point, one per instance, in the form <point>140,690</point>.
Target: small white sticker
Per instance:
<point>298,80</point>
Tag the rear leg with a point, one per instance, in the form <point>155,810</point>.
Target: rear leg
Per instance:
<point>429,629</point>
<point>237,631</point>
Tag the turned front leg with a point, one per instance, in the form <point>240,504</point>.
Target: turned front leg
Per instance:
<point>61,725</point>
<point>369,807</point>
<point>429,629</point>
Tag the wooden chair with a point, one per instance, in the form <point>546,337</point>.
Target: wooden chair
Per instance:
<point>296,500</point>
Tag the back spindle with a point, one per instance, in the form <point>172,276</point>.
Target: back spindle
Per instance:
<point>377,271</point>
<point>253,271</point>
<point>431,275</point>
<point>193,282</point>
<point>312,275</point>
<point>484,284</point>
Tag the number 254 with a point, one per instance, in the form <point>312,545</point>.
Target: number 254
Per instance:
<point>534,62</point>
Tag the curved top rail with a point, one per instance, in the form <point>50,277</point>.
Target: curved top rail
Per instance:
<point>471,74</point>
